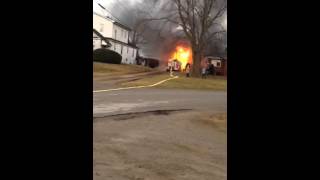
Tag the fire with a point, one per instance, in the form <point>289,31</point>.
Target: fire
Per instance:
<point>183,55</point>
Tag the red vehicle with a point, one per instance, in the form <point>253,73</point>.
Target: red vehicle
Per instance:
<point>220,65</point>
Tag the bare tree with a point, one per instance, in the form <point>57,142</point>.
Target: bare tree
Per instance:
<point>146,30</point>
<point>140,26</point>
<point>141,22</point>
<point>137,35</point>
<point>199,20</point>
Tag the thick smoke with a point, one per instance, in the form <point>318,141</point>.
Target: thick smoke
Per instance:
<point>159,37</point>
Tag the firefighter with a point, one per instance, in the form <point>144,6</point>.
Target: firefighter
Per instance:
<point>171,68</point>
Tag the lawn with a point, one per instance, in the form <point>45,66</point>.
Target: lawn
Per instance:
<point>211,83</point>
<point>118,69</point>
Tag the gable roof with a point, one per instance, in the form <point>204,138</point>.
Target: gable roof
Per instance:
<point>114,22</point>
<point>121,25</point>
<point>102,37</point>
<point>120,42</point>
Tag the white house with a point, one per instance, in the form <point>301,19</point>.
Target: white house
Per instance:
<point>99,41</point>
<point>117,35</point>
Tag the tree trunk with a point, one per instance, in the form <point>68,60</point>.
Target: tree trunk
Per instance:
<point>196,63</point>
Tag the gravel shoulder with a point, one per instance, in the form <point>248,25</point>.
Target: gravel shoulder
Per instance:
<point>184,145</point>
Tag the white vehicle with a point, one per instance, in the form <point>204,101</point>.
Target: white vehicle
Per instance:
<point>174,64</point>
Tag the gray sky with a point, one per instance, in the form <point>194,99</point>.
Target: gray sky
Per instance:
<point>122,9</point>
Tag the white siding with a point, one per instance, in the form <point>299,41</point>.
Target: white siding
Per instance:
<point>120,34</point>
<point>128,53</point>
<point>118,49</point>
<point>112,46</point>
<point>127,56</point>
<point>102,25</point>
<point>108,29</point>
<point>131,59</point>
<point>96,43</point>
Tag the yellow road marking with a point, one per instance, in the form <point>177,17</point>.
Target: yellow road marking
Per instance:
<point>136,87</point>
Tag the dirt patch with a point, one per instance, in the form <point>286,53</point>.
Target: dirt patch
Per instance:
<point>160,145</point>
<point>218,121</point>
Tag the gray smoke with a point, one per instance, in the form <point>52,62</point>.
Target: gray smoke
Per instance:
<point>160,37</point>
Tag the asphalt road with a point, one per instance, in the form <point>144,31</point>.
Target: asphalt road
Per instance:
<point>133,141</point>
<point>150,99</point>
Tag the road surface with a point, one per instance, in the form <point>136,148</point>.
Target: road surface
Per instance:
<point>150,99</point>
<point>159,134</point>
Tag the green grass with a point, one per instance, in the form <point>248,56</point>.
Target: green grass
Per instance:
<point>118,69</point>
<point>211,83</point>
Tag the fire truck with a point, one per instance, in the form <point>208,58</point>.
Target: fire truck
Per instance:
<point>174,64</point>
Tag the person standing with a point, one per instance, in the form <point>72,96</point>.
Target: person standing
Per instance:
<point>213,70</point>
<point>187,70</point>
<point>204,67</point>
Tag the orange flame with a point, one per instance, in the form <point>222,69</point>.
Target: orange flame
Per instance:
<point>183,55</point>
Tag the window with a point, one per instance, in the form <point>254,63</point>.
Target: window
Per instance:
<point>121,49</point>
<point>115,34</point>
<point>101,27</point>
<point>218,64</point>
<point>127,50</point>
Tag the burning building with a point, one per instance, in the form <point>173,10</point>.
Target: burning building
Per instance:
<point>180,57</point>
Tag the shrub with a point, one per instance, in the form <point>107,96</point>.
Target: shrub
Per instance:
<point>106,56</point>
<point>152,62</point>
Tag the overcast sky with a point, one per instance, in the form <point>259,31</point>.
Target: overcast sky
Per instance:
<point>124,12</point>
<point>122,9</point>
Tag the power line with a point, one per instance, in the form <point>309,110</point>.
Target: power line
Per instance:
<point>102,7</point>
<point>110,13</point>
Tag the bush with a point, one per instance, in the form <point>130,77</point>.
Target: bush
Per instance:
<point>106,56</point>
<point>152,62</point>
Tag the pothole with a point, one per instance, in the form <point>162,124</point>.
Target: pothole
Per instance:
<point>132,115</point>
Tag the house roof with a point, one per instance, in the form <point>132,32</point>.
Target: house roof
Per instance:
<point>105,17</point>
<point>122,25</point>
<point>132,45</point>
<point>215,57</point>
<point>120,42</point>
<point>102,37</point>
<point>114,22</point>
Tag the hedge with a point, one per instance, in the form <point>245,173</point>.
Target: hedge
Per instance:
<point>106,56</point>
<point>152,62</point>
